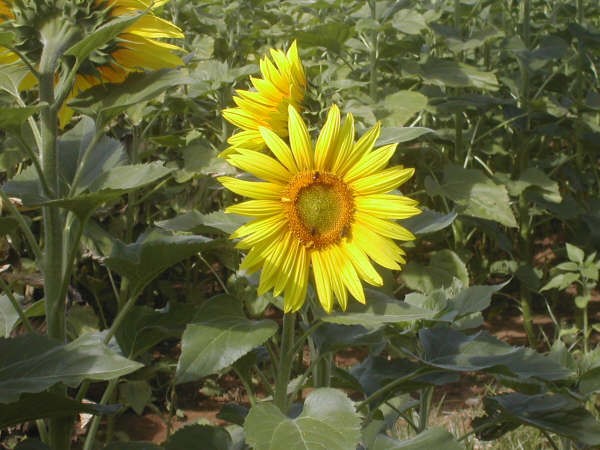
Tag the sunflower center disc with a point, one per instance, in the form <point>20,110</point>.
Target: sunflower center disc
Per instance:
<point>320,208</point>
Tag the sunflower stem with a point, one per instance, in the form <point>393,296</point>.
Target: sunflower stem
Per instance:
<point>59,435</point>
<point>286,356</point>
<point>373,54</point>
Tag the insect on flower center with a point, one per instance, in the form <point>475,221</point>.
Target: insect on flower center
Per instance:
<point>320,208</point>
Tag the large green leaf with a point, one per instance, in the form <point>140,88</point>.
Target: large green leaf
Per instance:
<point>444,267</point>
<point>221,335</point>
<point>196,222</point>
<point>101,36</point>
<point>107,101</point>
<point>429,221</point>
<point>152,253</point>
<point>133,446</point>
<point>15,117</point>
<point>47,405</point>
<point>438,438</point>
<point>105,154</point>
<point>203,437</point>
<point>392,135</point>
<point>8,316</point>
<point>456,74</point>
<point>555,413</point>
<point>452,350</point>
<point>145,327</point>
<point>474,194</point>
<point>379,309</point>
<point>328,421</point>
<point>33,363</point>
<point>403,105</point>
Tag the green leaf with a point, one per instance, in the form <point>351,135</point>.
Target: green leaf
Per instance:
<point>450,73</point>
<point>196,222</point>
<point>101,36</point>
<point>393,135</point>
<point>408,21</point>
<point>574,253</point>
<point>193,436</point>
<point>221,336</point>
<point>444,267</point>
<point>452,350</point>
<point>145,327</point>
<point>403,105</point>
<point>379,309</point>
<point>560,281</point>
<point>330,35</point>
<point>152,253</point>
<point>126,178</point>
<point>8,316</point>
<point>104,155</point>
<point>11,76</point>
<point>474,194</point>
<point>11,118</point>
<point>550,412</point>
<point>429,439</point>
<point>109,100</point>
<point>47,405</point>
<point>474,299</point>
<point>33,363</point>
<point>429,221</point>
<point>328,421</point>
<point>135,394</point>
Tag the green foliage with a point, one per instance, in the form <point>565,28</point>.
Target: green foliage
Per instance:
<point>497,108</point>
<point>327,420</point>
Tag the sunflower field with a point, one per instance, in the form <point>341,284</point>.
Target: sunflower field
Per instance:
<point>299,224</point>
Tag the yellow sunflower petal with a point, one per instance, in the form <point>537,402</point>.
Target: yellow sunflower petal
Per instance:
<point>370,163</point>
<point>326,143</point>
<point>322,277</point>
<point>345,144</point>
<point>279,148</point>
<point>253,189</point>
<point>348,274</point>
<point>387,206</point>
<point>256,208</point>
<point>362,147</point>
<point>300,140</point>
<point>380,249</point>
<point>259,165</point>
<point>361,263</point>
<point>382,182</point>
<point>295,290</point>
<point>384,227</point>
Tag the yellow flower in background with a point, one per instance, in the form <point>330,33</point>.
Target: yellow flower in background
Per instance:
<point>137,48</point>
<point>328,207</point>
<point>6,56</point>
<point>283,83</point>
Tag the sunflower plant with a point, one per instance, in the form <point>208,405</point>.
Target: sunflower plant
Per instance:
<point>52,51</point>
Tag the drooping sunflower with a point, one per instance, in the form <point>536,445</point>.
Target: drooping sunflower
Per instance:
<point>139,47</point>
<point>327,207</point>
<point>6,56</point>
<point>283,83</point>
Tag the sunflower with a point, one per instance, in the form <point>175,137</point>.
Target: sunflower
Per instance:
<point>328,207</point>
<point>136,49</point>
<point>283,83</point>
<point>6,56</point>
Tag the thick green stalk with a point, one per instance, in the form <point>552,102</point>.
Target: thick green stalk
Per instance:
<point>322,371</point>
<point>580,154</point>
<point>522,163</point>
<point>286,357</point>
<point>425,399</point>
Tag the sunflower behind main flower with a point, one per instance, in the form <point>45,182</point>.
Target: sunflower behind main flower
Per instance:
<point>328,207</point>
<point>139,47</point>
<point>283,83</point>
